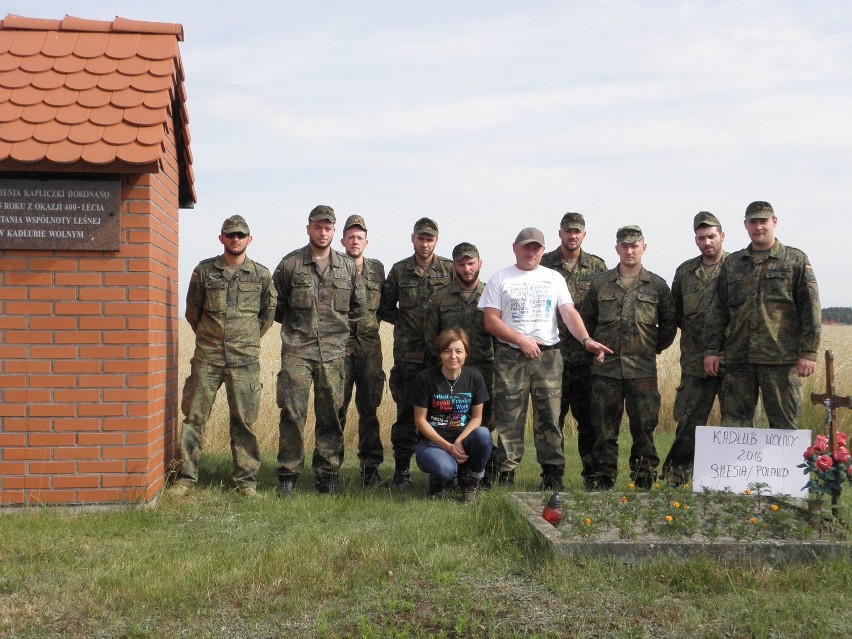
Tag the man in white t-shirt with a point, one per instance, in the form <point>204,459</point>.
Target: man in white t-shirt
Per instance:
<point>520,305</point>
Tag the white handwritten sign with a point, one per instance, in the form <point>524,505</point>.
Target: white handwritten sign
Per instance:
<point>733,458</point>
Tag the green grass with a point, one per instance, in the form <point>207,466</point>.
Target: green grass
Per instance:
<point>374,563</point>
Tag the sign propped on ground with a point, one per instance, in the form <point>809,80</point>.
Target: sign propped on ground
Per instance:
<point>733,458</point>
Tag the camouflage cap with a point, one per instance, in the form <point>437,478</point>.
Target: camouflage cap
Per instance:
<point>628,234</point>
<point>573,221</point>
<point>235,224</point>
<point>465,249</point>
<point>760,210</point>
<point>426,225</point>
<point>705,218</point>
<point>355,220</point>
<point>322,212</point>
<point>530,235</point>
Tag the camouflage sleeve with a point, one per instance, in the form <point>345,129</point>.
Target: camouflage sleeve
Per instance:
<point>281,283</point>
<point>268,304</point>
<point>431,327</point>
<point>589,309</point>
<point>388,310</point>
<point>810,314</point>
<point>194,299</point>
<point>677,295</point>
<point>358,297</point>
<point>666,318</point>
<point>718,315</point>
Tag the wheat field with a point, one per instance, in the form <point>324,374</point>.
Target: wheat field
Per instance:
<point>835,338</point>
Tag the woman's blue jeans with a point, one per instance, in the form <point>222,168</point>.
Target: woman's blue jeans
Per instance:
<point>443,467</point>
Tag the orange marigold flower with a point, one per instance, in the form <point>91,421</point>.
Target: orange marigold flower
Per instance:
<point>686,506</point>
<point>631,485</point>
<point>753,520</point>
<point>748,491</point>
<point>669,519</point>
<point>773,507</point>
<point>675,504</point>
<point>624,499</point>
<point>587,521</point>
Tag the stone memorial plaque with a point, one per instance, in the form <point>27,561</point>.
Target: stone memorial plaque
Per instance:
<point>60,214</point>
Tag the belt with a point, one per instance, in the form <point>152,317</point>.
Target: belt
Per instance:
<point>541,347</point>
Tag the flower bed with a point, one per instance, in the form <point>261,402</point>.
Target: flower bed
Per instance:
<point>671,520</point>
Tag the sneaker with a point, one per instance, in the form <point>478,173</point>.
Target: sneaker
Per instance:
<point>370,476</point>
<point>506,478</point>
<point>249,492</point>
<point>469,491</point>
<point>402,478</point>
<point>179,490</point>
<point>286,487</point>
<point>327,484</point>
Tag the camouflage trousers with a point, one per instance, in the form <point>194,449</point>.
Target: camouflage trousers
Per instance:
<point>515,379</point>
<point>642,399</point>
<point>363,371</point>
<point>403,432</point>
<point>292,393</point>
<point>692,406</point>
<point>242,386</point>
<point>577,395</point>
<point>779,386</point>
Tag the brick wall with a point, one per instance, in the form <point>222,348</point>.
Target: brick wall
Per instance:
<point>88,358</point>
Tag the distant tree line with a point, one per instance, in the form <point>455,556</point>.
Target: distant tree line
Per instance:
<point>837,315</point>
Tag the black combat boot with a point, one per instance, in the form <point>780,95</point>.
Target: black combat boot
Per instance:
<point>551,478</point>
<point>286,486</point>
<point>370,476</point>
<point>506,478</point>
<point>401,475</point>
<point>437,488</point>
<point>327,483</point>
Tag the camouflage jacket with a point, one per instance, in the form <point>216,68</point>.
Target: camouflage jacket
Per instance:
<point>229,310</point>
<point>315,310</point>
<point>693,291</point>
<point>366,330</point>
<point>448,309</point>
<point>404,296</point>
<point>588,267</point>
<point>764,313</point>
<point>637,323</point>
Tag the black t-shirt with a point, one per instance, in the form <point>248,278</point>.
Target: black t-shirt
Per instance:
<point>448,412</point>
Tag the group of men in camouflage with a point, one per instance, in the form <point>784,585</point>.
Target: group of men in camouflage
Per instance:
<point>557,327</point>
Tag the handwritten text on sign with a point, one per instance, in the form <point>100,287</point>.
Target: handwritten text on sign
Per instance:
<point>734,458</point>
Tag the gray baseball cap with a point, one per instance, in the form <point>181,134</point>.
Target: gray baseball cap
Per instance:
<point>530,235</point>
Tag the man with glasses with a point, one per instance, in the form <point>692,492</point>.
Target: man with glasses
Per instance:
<point>230,304</point>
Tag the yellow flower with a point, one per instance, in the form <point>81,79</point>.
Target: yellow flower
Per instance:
<point>686,486</point>
<point>748,491</point>
<point>669,519</point>
<point>657,485</point>
<point>587,521</point>
<point>686,506</point>
<point>753,520</point>
<point>676,504</point>
<point>773,507</point>
<point>631,485</point>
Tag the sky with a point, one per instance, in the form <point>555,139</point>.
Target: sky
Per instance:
<point>492,116</point>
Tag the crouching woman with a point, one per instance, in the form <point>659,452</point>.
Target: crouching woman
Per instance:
<point>447,402</point>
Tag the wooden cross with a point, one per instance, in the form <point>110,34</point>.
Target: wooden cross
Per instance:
<point>830,399</point>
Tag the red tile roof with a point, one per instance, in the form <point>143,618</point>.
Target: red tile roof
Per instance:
<point>91,95</point>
